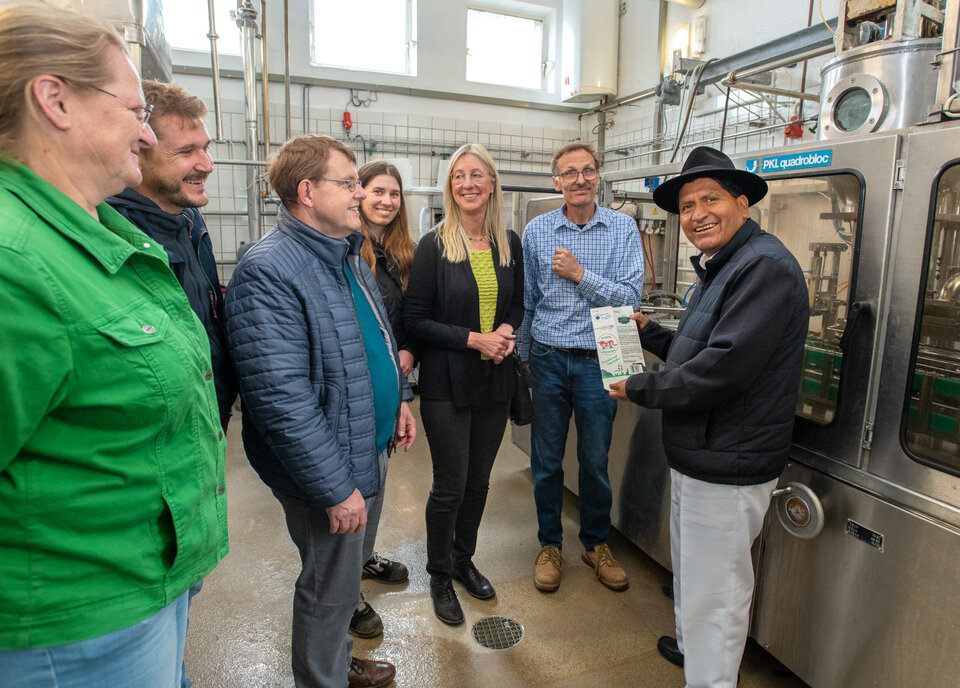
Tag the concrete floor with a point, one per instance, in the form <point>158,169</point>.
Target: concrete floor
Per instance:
<point>582,635</point>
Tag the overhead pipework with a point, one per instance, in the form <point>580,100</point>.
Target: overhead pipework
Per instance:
<point>246,17</point>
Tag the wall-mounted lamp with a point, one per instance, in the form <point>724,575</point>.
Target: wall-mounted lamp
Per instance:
<point>698,37</point>
<point>681,41</point>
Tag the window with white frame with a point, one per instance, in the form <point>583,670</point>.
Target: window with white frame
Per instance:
<point>505,49</point>
<point>186,24</point>
<point>370,35</point>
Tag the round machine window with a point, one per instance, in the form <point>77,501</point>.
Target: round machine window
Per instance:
<point>852,109</point>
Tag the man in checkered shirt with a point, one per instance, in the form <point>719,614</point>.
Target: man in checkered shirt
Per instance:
<point>578,257</point>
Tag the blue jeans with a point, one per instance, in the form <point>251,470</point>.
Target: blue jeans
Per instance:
<point>563,384</point>
<point>148,654</point>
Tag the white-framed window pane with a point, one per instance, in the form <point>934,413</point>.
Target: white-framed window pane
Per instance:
<point>372,35</point>
<point>504,49</point>
<point>187,22</point>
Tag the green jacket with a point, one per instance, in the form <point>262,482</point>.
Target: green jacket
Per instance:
<point>112,498</point>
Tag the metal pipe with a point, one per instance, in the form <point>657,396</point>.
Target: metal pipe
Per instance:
<point>215,70</point>
<point>265,77</point>
<point>254,163</point>
<point>772,90</point>
<point>661,51</point>
<point>602,129</point>
<point>286,68</point>
<point>723,125</point>
<point>671,168</point>
<point>695,79</point>
<point>247,21</point>
<point>740,74</point>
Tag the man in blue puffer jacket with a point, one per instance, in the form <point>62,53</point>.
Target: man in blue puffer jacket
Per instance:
<point>728,391</point>
<point>324,399</point>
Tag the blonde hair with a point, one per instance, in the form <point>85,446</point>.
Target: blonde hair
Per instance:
<point>452,235</point>
<point>37,39</point>
<point>303,157</point>
<point>397,244</point>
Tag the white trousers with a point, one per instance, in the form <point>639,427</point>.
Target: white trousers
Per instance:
<point>712,528</point>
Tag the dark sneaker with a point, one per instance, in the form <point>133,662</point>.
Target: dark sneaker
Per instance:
<point>366,623</point>
<point>384,570</point>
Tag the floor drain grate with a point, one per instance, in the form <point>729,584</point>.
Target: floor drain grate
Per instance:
<point>497,632</point>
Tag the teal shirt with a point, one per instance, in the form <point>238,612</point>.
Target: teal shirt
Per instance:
<point>112,497</point>
<point>383,370</point>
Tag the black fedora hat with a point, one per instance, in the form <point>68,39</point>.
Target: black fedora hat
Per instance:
<point>708,162</point>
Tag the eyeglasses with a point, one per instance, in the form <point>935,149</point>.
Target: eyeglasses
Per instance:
<point>570,176</point>
<point>142,112</point>
<point>475,177</point>
<point>351,184</point>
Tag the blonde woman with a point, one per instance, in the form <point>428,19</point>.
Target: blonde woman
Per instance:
<point>462,306</point>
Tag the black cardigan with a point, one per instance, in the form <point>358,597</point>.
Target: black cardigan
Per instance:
<point>440,309</point>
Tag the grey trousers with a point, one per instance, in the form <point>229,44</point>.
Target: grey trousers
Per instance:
<point>326,592</point>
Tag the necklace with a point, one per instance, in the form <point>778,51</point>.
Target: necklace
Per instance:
<point>482,237</point>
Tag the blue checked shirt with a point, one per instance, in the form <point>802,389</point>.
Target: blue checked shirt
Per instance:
<point>557,310</point>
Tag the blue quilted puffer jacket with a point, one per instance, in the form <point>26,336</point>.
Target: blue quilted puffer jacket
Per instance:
<point>308,413</point>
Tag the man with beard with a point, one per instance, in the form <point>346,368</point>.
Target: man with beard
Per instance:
<point>164,206</point>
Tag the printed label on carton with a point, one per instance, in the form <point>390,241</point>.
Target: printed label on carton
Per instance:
<point>618,343</point>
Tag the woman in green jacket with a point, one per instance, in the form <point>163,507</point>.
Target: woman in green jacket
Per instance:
<point>111,455</point>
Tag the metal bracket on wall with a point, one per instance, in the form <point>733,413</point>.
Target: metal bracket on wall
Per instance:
<point>898,175</point>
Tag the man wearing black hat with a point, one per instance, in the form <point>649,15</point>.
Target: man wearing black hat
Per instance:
<point>728,391</point>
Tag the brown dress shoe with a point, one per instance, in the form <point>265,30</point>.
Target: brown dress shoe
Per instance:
<point>606,567</point>
<point>370,673</point>
<point>547,573</point>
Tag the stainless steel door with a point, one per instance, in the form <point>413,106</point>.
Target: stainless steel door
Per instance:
<point>909,476</point>
<point>799,180</point>
<point>870,601</point>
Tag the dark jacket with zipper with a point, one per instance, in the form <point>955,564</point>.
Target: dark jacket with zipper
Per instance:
<point>309,427</point>
<point>391,289</point>
<point>185,240</point>
<point>728,388</point>
<point>441,308</point>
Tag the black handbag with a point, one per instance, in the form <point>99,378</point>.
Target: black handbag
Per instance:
<point>521,405</point>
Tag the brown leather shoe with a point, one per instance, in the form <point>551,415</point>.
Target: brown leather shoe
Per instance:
<point>547,573</point>
<point>606,567</point>
<point>370,673</point>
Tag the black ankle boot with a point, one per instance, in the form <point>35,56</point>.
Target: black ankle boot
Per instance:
<point>474,581</point>
<point>445,603</point>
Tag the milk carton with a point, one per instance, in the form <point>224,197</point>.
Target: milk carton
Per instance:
<point>618,343</point>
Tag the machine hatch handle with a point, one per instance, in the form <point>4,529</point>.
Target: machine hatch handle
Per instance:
<point>799,510</point>
<point>858,310</point>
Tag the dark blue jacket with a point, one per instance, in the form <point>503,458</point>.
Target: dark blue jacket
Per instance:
<point>728,389</point>
<point>177,234</point>
<point>308,416</point>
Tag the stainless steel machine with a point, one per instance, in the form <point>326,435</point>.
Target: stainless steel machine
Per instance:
<point>857,562</point>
